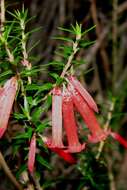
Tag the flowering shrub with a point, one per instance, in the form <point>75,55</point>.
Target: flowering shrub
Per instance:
<point>23,101</point>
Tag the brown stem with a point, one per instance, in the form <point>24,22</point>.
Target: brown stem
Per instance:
<point>114,40</point>
<point>2,4</point>
<point>106,126</point>
<point>8,172</point>
<point>122,7</point>
<point>103,53</point>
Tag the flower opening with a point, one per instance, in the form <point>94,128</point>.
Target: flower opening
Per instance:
<point>62,153</point>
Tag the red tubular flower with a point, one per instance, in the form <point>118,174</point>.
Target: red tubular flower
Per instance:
<point>7,96</point>
<point>57,118</point>
<point>31,154</point>
<point>119,138</point>
<point>62,153</point>
<point>70,124</point>
<point>88,116</point>
<point>83,92</point>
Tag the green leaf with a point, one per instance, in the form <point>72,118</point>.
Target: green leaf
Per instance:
<point>20,170</point>
<point>85,44</point>
<point>79,62</point>
<point>26,113</point>
<point>63,39</point>
<point>37,114</point>
<point>32,47</point>
<point>54,75</point>
<point>59,81</point>
<point>35,101</point>
<point>46,86</point>
<point>77,28</point>
<point>34,30</point>
<point>26,105</point>
<point>57,63</point>
<point>19,116</point>
<point>42,126</point>
<point>43,162</point>
<point>47,104</point>
<point>88,30</point>
<point>66,30</point>
<point>6,73</point>
<point>25,135</point>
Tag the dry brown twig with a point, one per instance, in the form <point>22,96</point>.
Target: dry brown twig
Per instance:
<point>122,7</point>
<point>103,52</point>
<point>8,172</point>
<point>106,126</point>
<point>114,41</point>
<point>110,174</point>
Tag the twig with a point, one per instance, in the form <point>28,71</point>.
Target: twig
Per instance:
<point>114,40</point>
<point>98,31</point>
<point>36,182</point>
<point>2,18</point>
<point>8,172</point>
<point>106,126</point>
<point>62,11</point>
<point>93,50</point>
<point>122,8</point>
<point>75,49</point>
<point>110,174</point>
<point>2,4</point>
<point>24,51</point>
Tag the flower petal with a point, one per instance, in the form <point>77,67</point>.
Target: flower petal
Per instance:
<point>70,124</point>
<point>88,116</point>
<point>62,153</point>
<point>7,97</point>
<point>31,154</point>
<point>83,92</point>
<point>57,118</point>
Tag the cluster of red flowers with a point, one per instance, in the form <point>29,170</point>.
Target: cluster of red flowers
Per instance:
<point>64,102</point>
<point>63,105</point>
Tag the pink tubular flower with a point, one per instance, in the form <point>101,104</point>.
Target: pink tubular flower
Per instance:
<point>97,134</point>
<point>83,92</point>
<point>62,153</point>
<point>70,124</point>
<point>119,138</point>
<point>31,154</point>
<point>57,118</point>
<point>7,96</point>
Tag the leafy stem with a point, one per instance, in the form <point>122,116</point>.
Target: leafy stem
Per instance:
<point>75,49</point>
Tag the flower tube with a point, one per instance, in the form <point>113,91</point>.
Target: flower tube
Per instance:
<point>83,92</point>
<point>7,96</point>
<point>97,134</point>
<point>31,154</point>
<point>70,124</point>
<point>119,138</point>
<point>57,118</point>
